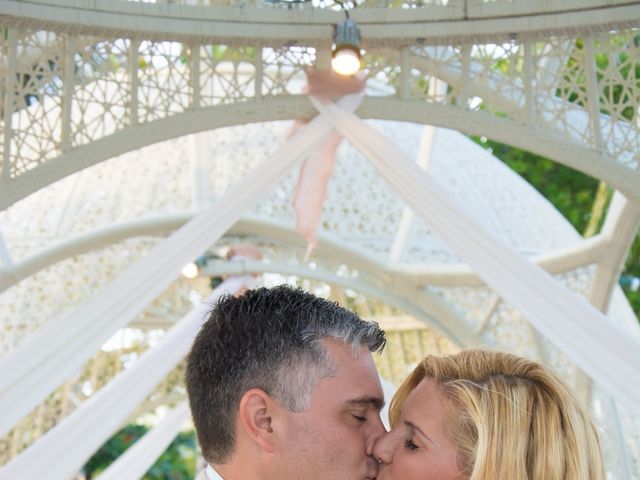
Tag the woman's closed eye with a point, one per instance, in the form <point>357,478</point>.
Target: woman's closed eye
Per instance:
<point>409,445</point>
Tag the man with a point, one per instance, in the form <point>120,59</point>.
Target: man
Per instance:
<point>282,385</point>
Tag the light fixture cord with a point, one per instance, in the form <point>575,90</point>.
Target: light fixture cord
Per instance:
<point>344,7</point>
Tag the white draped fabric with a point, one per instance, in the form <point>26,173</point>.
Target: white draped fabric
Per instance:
<point>140,457</point>
<point>583,333</point>
<point>58,350</point>
<point>62,451</point>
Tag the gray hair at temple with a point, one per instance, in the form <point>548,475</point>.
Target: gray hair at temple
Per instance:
<point>267,339</point>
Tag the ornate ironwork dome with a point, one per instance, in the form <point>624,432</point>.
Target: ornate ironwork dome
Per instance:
<point>122,120</point>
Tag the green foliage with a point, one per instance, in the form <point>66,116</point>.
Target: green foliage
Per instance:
<point>176,463</point>
<point>632,267</point>
<point>113,448</point>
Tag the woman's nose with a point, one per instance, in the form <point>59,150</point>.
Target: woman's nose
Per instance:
<point>383,448</point>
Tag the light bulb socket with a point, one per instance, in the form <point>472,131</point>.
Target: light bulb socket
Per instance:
<point>347,36</point>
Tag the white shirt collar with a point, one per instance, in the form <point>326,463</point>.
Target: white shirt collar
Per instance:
<point>212,474</point>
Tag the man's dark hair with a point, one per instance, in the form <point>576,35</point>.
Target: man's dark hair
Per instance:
<point>267,339</point>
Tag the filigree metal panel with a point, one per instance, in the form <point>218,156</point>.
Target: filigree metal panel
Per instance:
<point>163,76</point>
<point>33,94</point>
<point>101,90</point>
<point>618,74</point>
<point>283,69</point>
<point>227,74</point>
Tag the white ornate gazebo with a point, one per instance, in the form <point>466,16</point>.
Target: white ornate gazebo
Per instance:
<point>139,136</point>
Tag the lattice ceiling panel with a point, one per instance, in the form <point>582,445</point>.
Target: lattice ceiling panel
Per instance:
<point>226,74</point>
<point>163,75</point>
<point>618,74</point>
<point>571,88</point>
<point>101,100</point>
<point>283,68</point>
<point>74,90</point>
<point>382,69</point>
<point>37,129</point>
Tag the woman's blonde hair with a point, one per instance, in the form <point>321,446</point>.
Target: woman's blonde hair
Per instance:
<point>510,418</point>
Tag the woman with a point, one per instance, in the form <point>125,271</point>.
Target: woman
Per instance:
<point>481,415</point>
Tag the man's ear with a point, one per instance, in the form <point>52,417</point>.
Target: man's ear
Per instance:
<point>256,413</point>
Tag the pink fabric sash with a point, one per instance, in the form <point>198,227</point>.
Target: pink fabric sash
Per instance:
<point>316,170</point>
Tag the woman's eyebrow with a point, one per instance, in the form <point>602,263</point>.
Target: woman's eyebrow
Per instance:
<point>414,427</point>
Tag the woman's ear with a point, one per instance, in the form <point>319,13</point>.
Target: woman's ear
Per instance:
<point>256,417</point>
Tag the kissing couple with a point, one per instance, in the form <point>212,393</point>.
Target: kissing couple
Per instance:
<point>282,386</point>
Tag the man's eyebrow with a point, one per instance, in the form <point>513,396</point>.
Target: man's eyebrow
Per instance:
<point>377,402</point>
<point>413,426</point>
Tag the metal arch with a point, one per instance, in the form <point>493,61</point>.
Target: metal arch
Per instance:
<point>589,251</point>
<point>285,108</point>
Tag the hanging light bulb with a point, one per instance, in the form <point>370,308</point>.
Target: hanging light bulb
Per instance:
<point>190,270</point>
<point>346,48</point>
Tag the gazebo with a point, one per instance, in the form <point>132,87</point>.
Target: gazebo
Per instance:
<point>138,137</point>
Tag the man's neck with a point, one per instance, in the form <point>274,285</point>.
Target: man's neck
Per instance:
<point>212,474</point>
<point>237,471</point>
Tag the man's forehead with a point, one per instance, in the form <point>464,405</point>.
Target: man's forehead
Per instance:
<point>349,360</point>
<point>356,379</point>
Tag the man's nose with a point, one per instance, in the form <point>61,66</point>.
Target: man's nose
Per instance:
<point>376,431</point>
